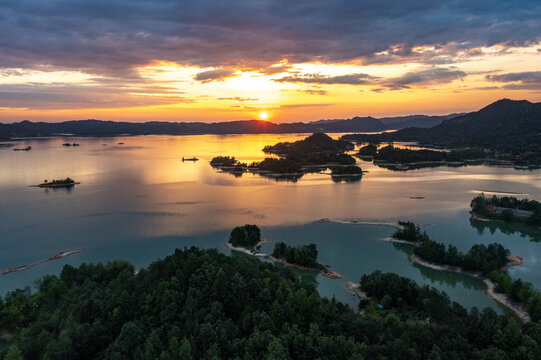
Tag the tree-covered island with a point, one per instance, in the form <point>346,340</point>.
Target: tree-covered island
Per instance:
<point>507,208</point>
<point>312,154</point>
<point>390,155</point>
<point>247,239</point>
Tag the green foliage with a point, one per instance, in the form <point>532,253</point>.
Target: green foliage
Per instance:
<point>246,236</point>
<point>199,304</point>
<point>14,353</point>
<point>410,232</point>
<point>303,255</point>
<point>479,258</point>
<point>519,291</point>
<point>393,154</point>
<point>480,205</point>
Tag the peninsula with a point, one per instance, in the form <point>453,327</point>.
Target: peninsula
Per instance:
<point>247,240</point>
<point>485,263</point>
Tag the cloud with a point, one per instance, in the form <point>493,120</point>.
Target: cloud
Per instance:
<point>527,77</point>
<point>528,80</point>
<point>431,75</point>
<point>348,79</point>
<point>112,38</point>
<point>314,92</point>
<point>295,106</point>
<point>214,75</point>
<point>238,98</point>
<point>93,94</point>
<point>435,75</point>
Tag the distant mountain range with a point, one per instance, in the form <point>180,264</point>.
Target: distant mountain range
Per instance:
<point>503,125</point>
<point>112,128</point>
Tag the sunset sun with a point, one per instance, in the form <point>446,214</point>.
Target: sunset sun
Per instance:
<point>263,115</point>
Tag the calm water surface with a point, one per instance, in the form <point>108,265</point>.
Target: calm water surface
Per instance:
<point>138,201</point>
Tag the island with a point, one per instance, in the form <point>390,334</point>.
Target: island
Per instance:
<point>315,153</point>
<point>488,264</point>
<point>247,239</point>
<point>396,158</point>
<point>506,208</point>
<point>67,182</point>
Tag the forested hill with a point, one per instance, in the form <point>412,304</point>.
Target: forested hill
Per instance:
<point>113,128</point>
<point>205,305</point>
<point>504,125</point>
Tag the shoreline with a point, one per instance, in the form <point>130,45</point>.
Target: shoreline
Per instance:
<point>324,270</point>
<point>392,224</point>
<point>478,217</point>
<point>60,255</point>
<point>519,310</point>
<point>399,241</point>
<point>356,289</point>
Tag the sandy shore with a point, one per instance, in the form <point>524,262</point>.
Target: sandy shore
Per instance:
<point>325,270</point>
<point>399,241</point>
<point>392,224</point>
<point>356,290</point>
<point>516,308</point>
<point>56,257</point>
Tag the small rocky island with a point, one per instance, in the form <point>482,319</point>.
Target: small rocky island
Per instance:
<point>313,154</point>
<point>67,182</point>
<point>247,239</point>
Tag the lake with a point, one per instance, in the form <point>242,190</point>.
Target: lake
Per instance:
<point>138,201</point>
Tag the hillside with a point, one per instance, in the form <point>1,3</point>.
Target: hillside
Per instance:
<point>506,125</point>
<point>198,304</point>
<point>421,121</point>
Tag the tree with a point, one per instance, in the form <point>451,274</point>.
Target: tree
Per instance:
<point>14,353</point>
<point>507,215</point>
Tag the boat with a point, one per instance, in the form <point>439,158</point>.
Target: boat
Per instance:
<point>28,148</point>
<point>67,182</point>
<point>190,159</point>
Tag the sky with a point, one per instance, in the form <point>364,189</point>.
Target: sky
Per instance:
<point>286,61</point>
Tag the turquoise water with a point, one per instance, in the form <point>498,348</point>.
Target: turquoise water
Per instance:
<point>138,201</point>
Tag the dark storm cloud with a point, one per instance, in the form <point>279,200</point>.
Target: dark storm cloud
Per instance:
<point>112,37</point>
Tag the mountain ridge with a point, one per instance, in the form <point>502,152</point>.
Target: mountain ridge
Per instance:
<point>93,127</point>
